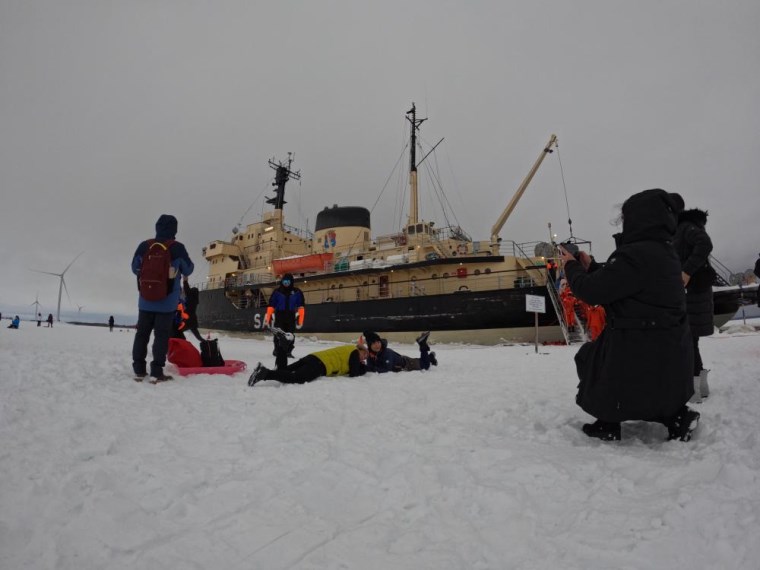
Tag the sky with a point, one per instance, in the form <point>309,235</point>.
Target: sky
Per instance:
<point>113,113</point>
<point>478,463</point>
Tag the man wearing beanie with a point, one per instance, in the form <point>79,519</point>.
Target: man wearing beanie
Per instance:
<point>156,313</point>
<point>286,304</point>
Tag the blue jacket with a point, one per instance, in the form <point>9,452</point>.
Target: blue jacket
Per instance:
<point>387,360</point>
<point>166,229</point>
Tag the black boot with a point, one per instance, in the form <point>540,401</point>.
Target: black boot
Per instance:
<point>682,425</point>
<point>422,341</point>
<point>259,374</point>
<point>433,359</point>
<point>606,431</point>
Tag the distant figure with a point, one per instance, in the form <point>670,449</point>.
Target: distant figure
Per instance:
<point>757,274</point>
<point>15,322</point>
<point>156,316</point>
<point>693,247</point>
<point>39,319</point>
<point>287,305</point>
<point>640,367</point>
<point>50,320</point>
<point>383,359</point>
<point>110,323</point>
<point>346,360</point>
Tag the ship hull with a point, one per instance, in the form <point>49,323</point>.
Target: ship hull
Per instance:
<point>482,317</point>
<point>488,316</point>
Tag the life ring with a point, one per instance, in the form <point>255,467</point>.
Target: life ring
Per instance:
<point>461,249</point>
<point>464,288</point>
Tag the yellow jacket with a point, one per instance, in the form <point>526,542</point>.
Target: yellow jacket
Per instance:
<point>336,359</point>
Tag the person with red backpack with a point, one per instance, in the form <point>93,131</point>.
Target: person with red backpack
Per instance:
<point>159,265</point>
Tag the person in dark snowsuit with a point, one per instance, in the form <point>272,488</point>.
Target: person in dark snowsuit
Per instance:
<point>110,323</point>
<point>287,305</point>
<point>640,367</point>
<point>757,274</point>
<point>693,247</point>
<point>157,316</point>
<point>383,359</point>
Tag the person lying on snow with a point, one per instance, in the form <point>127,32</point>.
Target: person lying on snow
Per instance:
<point>347,360</point>
<point>383,359</point>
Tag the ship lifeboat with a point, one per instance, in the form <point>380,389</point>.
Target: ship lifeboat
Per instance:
<point>302,263</point>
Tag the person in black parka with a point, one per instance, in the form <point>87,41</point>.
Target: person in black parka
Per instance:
<point>693,247</point>
<point>640,367</point>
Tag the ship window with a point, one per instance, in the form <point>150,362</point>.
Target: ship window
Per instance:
<point>410,230</point>
<point>212,246</point>
<point>435,276</point>
<point>445,275</point>
<point>420,229</point>
<point>332,286</point>
<point>488,270</point>
<point>364,283</point>
<point>340,286</point>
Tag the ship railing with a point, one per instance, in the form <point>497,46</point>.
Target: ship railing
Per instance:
<point>300,232</point>
<point>437,284</point>
<point>451,232</point>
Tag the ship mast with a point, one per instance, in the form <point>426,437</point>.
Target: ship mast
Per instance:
<point>415,125</point>
<point>283,173</point>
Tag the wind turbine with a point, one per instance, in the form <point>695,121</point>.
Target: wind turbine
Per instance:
<point>79,311</point>
<point>36,304</point>
<point>61,285</point>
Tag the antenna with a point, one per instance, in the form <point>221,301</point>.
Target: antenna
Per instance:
<point>61,285</point>
<point>283,173</point>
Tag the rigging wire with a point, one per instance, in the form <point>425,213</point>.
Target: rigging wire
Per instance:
<point>564,188</point>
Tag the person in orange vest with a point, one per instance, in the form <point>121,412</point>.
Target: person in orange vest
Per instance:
<point>568,304</point>
<point>596,320</point>
<point>180,320</point>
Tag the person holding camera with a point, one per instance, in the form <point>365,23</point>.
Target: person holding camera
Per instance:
<point>640,367</point>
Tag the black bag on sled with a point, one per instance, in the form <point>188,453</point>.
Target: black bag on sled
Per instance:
<point>210,355</point>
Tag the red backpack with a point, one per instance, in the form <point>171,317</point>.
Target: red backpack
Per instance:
<point>155,281</point>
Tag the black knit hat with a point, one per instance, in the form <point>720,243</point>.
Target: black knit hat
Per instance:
<point>371,337</point>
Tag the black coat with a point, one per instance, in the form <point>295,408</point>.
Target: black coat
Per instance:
<point>640,367</point>
<point>693,247</point>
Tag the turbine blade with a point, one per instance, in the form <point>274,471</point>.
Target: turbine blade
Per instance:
<point>46,272</point>
<point>66,288</point>
<point>72,263</point>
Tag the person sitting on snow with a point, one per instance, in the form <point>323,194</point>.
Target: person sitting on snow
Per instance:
<point>14,323</point>
<point>383,359</point>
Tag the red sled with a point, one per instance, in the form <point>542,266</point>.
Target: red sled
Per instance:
<point>230,367</point>
<point>188,361</point>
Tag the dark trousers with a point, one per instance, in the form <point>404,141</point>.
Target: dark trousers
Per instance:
<point>697,355</point>
<point>301,371</point>
<point>160,324</point>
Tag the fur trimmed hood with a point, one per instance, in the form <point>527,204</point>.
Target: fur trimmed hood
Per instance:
<point>695,216</point>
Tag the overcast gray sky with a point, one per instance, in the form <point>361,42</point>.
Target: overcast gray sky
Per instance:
<point>112,113</point>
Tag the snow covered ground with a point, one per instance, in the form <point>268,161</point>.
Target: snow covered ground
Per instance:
<point>477,464</point>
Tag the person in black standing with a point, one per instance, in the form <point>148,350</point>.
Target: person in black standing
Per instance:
<point>50,320</point>
<point>693,247</point>
<point>110,323</point>
<point>640,367</point>
<point>286,304</point>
